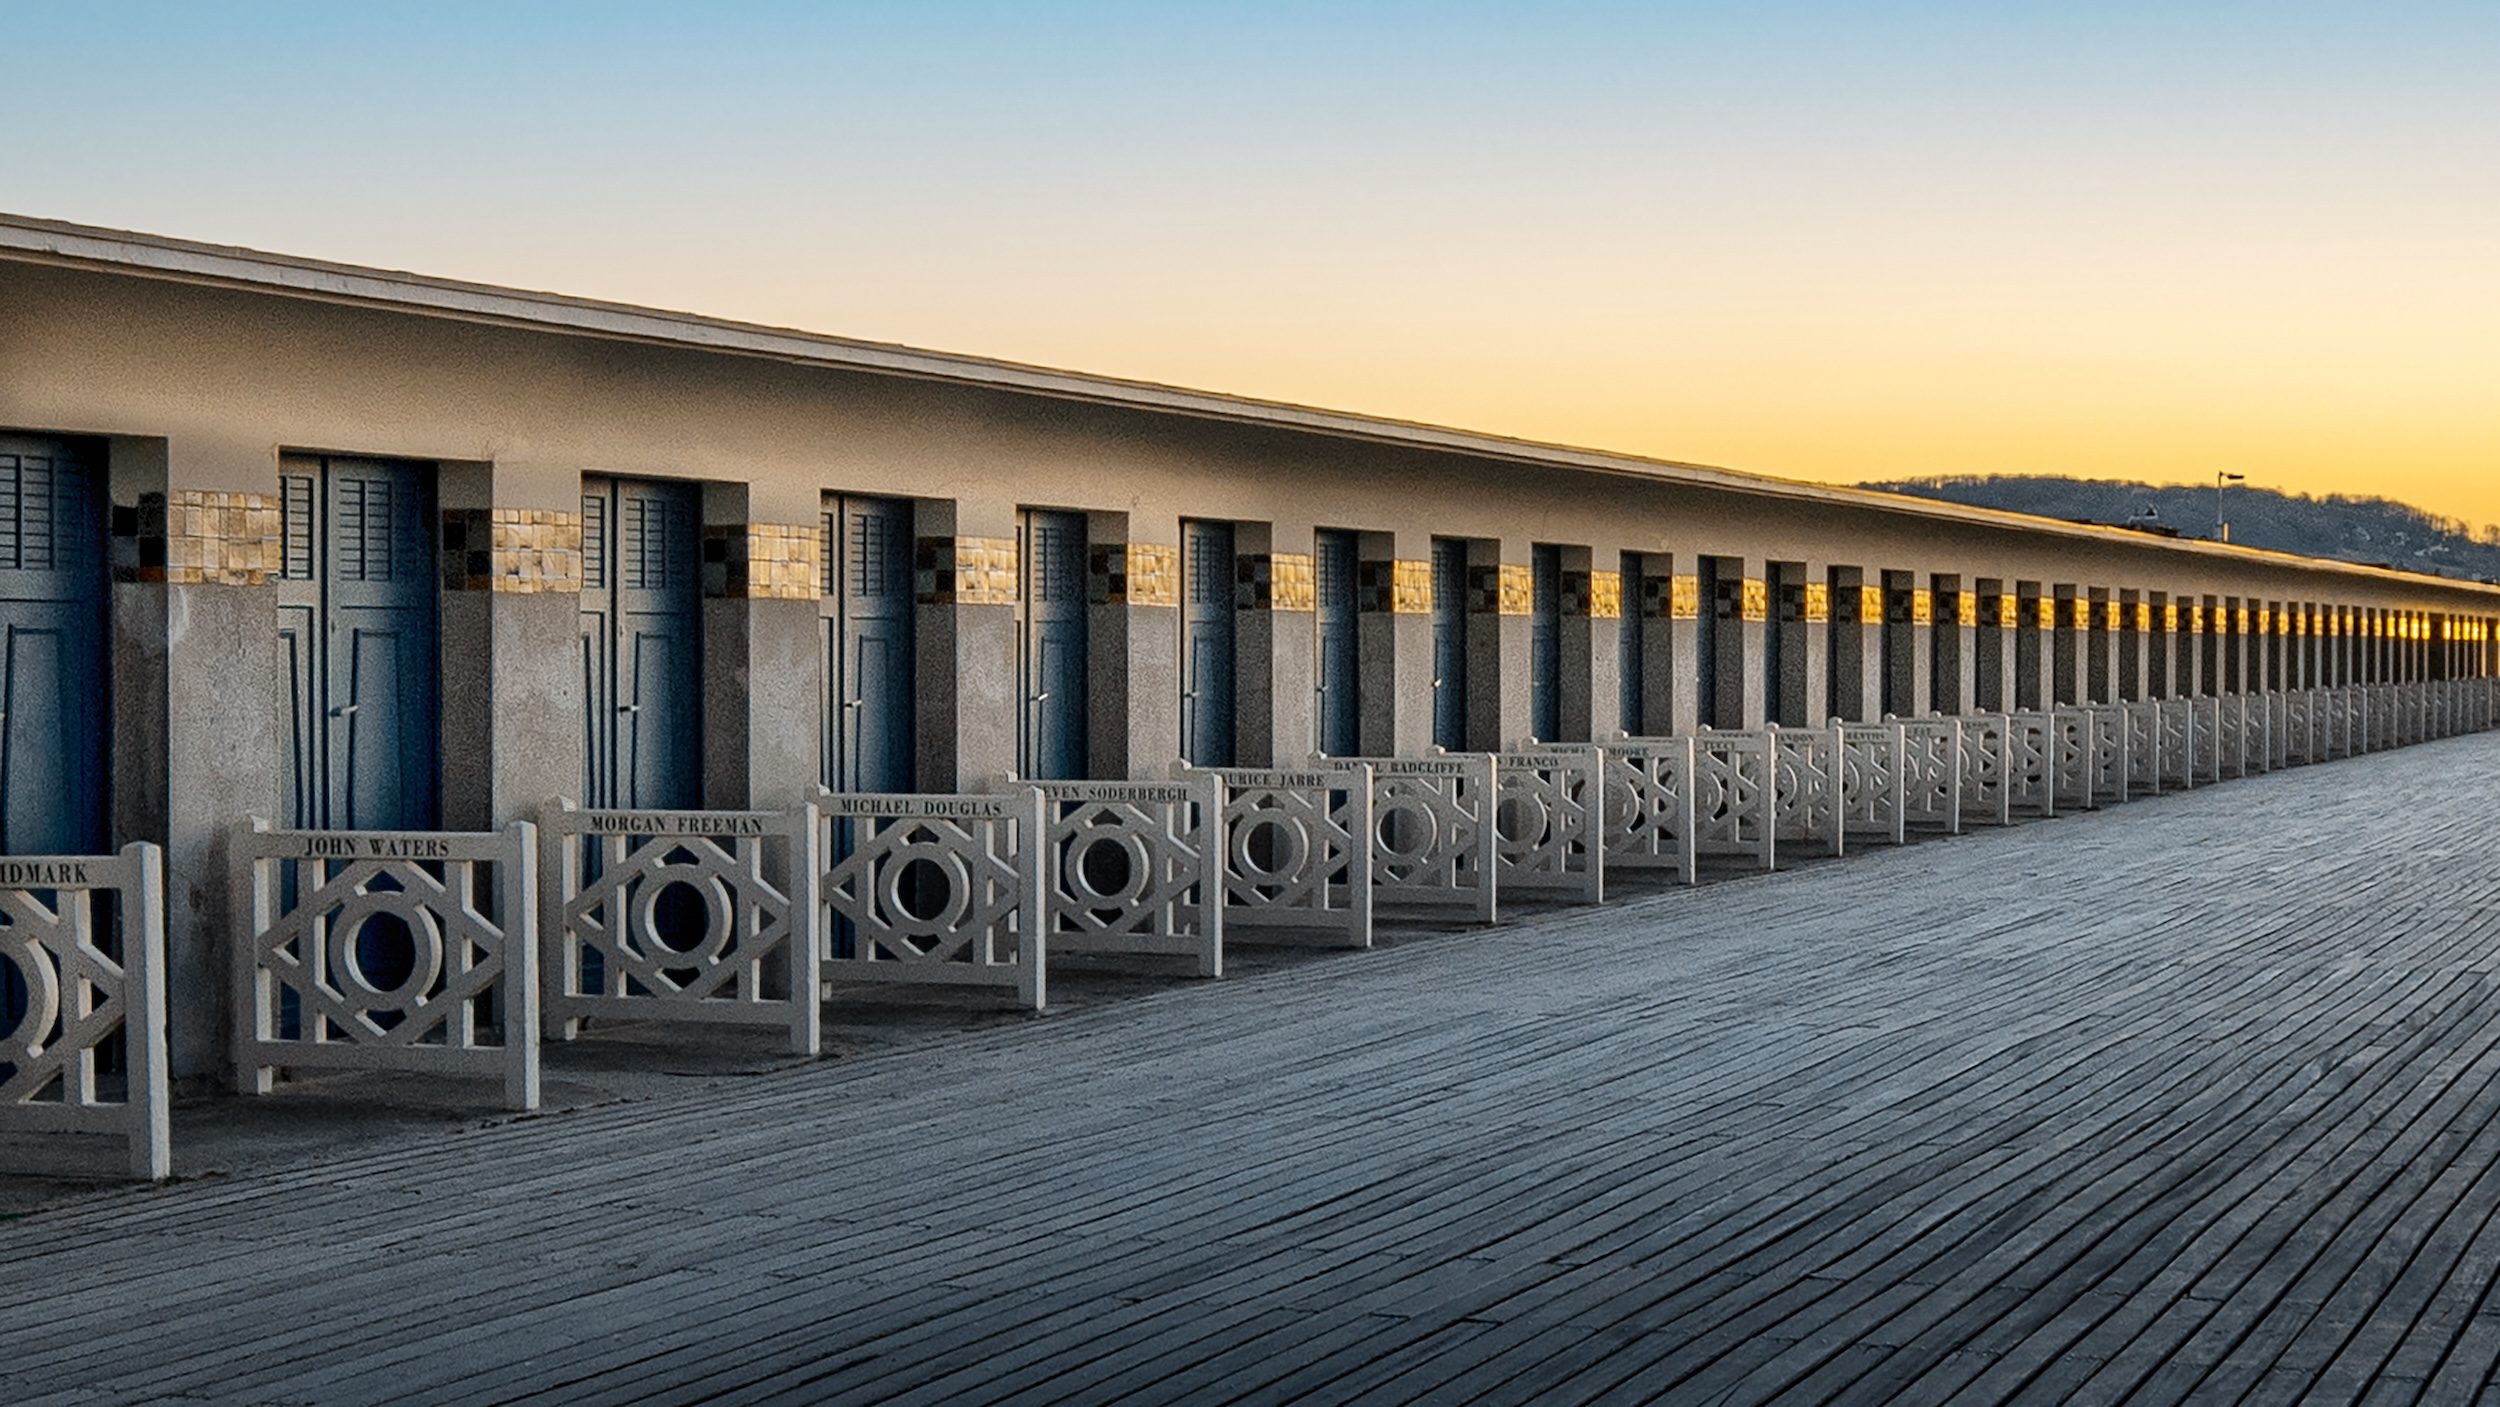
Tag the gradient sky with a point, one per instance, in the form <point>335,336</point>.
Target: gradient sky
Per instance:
<point>1826,241</point>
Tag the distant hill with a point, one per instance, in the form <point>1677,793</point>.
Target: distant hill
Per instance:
<point>2374,530</point>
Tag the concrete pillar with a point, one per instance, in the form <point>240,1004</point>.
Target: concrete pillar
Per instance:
<point>2099,639</point>
<point>1500,611</point>
<point>1992,688</point>
<point>970,589</point>
<point>1795,691</point>
<point>1603,596</point>
<point>1133,590</point>
<point>1396,630</point>
<point>1276,645</point>
<point>1684,642</point>
<point>1811,581</point>
<point>764,685</point>
<point>1743,588</point>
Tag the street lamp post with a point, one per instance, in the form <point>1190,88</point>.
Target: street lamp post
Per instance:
<point>2222,528</point>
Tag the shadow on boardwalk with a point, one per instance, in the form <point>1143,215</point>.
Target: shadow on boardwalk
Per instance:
<point>2192,1100</point>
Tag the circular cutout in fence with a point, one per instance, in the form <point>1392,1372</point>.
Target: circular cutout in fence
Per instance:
<point>28,998</point>
<point>680,917</point>
<point>385,950</point>
<point>1522,819</point>
<point>1270,848</point>
<point>1106,867</point>
<point>1406,830</point>
<point>924,890</point>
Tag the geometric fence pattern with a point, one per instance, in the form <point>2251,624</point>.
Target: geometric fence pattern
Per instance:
<point>1649,805</point>
<point>1136,867</point>
<point>82,1038</point>
<point>1432,833</point>
<point>1297,862</point>
<point>682,916</point>
<point>403,951</point>
<point>1546,823</point>
<point>934,890</point>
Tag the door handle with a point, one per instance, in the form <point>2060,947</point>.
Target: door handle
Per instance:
<point>345,710</point>
<point>629,708</point>
<point>1042,697</point>
<point>849,704</point>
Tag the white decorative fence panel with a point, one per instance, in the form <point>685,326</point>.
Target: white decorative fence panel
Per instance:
<point>1649,805</point>
<point>1297,853</point>
<point>2233,735</point>
<point>1432,830</point>
<point>2177,743</point>
<point>706,917</point>
<point>2278,729</point>
<point>1986,795</point>
<point>2031,763</point>
<point>2259,745</point>
<point>1734,796</point>
<point>942,890</point>
<point>2112,766</point>
<point>1547,836</point>
<point>85,1054</point>
<point>410,951</point>
<point>2142,722</point>
<point>1931,773</point>
<point>1136,867</point>
<point>2074,744</point>
<point>2300,728</point>
<point>1805,788</point>
<point>1873,781</point>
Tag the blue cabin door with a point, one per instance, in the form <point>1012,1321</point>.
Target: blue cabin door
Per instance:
<point>360,635</point>
<point>1207,644</point>
<point>871,741</point>
<point>642,644</point>
<point>1449,643</point>
<point>1545,644</point>
<point>1336,571</point>
<point>52,650</point>
<point>1052,686</point>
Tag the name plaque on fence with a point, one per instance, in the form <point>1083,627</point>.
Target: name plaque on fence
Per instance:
<point>1402,767</point>
<point>934,808</point>
<point>377,845</point>
<point>1130,793</point>
<point>1248,779</point>
<point>708,823</point>
<point>58,874</point>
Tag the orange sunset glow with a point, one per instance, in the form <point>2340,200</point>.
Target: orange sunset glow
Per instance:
<point>2122,241</point>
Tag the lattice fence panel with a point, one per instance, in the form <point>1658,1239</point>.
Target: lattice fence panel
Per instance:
<point>2142,722</point>
<point>2176,745</point>
<point>405,951</point>
<point>2073,743</point>
<point>1931,773</point>
<point>1432,830</point>
<point>2206,741</point>
<point>1986,795</point>
<point>704,917</point>
<point>1649,805</point>
<point>1295,862</point>
<point>1734,795</point>
<point>2232,738</point>
<point>2031,774</point>
<point>2300,727</point>
<point>1805,789</point>
<point>1546,830</point>
<point>85,1052</point>
<point>2112,766</point>
<point>935,890</point>
<point>1135,867</point>
<point>1873,787</point>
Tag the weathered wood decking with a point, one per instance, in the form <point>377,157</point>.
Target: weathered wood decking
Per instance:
<point>2193,1098</point>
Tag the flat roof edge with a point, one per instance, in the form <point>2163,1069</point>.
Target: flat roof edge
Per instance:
<point>36,240</point>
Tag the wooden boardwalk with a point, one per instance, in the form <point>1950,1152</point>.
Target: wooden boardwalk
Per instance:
<point>2192,1099</point>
